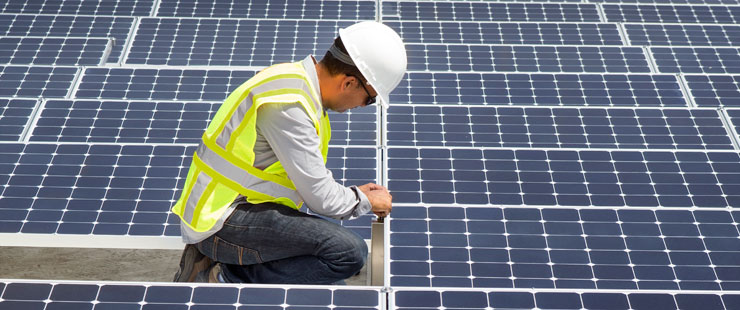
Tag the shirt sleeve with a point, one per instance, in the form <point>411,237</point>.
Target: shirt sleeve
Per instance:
<point>292,136</point>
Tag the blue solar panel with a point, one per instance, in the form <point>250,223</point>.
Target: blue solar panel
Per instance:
<point>14,117</point>
<point>526,247</point>
<point>533,144</point>
<point>163,122</point>
<point>489,11</point>
<point>115,189</point>
<point>696,59</point>
<point>539,89</point>
<point>508,33</point>
<point>117,28</point>
<point>160,84</point>
<point>53,51</point>
<point>714,90</point>
<point>564,299</point>
<point>526,58</point>
<point>734,117</point>
<point>587,128</point>
<point>727,2</point>
<point>283,9</point>
<point>31,295</point>
<point>683,34</point>
<point>651,13</point>
<point>36,81</point>
<point>229,42</point>
<point>564,178</point>
<point>80,7</point>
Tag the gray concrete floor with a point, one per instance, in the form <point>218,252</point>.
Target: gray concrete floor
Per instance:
<point>97,264</point>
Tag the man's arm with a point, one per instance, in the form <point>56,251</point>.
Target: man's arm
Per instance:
<point>292,136</point>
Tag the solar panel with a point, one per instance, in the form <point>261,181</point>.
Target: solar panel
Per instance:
<point>28,294</point>
<point>683,34</point>
<point>714,90</point>
<point>163,122</point>
<point>489,11</point>
<point>508,33</point>
<point>117,28</point>
<point>560,299</point>
<point>54,51</point>
<point>36,81</point>
<point>696,59</point>
<point>585,128</point>
<point>107,189</point>
<point>283,9</point>
<point>14,117</point>
<point>539,89</point>
<point>734,118</point>
<point>651,13</point>
<point>160,84</point>
<point>526,58</point>
<point>525,247</point>
<point>726,2</point>
<point>81,7</point>
<point>564,178</point>
<point>229,42</point>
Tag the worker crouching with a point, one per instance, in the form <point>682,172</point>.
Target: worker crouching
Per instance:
<point>264,154</point>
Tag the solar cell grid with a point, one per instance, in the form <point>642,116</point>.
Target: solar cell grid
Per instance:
<point>229,42</point>
<point>160,84</point>
<point>526,58</point>
<point>508,33</point>
<point>564,248</point>
<point>734,117</point>
<point>123,121</point>
<point>54,51</point>
<point>489,11</point>
<point>717,2</point>
<point>557,89</point>
<point>714,90</point>
<point>563,299</point>
<point>651,13</point>
<point>283,9</point>
<point>116,189</point>
<point>586,128</point>
<point>80,7</point>
<point>725,2</point>
<point>20,294</point>
<point>163,122</point>
<point>696,59</point>
<point>36,81</point>
<point>117,28</point>
<point>14,115</point>
<point>564,178</point>
<point>683,34</point>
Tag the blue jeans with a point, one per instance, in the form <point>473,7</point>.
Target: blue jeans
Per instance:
<point>272,243</point>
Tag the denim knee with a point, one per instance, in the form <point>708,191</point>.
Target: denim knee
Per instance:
<point>352,257</point>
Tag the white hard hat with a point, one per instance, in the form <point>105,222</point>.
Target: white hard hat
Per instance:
<point>378,53</point>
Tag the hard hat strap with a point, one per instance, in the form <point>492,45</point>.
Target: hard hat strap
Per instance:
<point>338,54</point>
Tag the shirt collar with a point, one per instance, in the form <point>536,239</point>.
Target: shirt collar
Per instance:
<point>309,64</point>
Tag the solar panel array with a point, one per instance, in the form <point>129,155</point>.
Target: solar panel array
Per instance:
<point>552,154</point>
<point>18,294</point>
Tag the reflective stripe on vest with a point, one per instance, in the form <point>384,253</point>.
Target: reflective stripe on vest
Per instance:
<point>222,167</point>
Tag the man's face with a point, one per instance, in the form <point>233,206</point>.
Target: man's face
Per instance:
<point>352,94</point>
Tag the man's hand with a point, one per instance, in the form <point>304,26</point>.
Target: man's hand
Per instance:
<point>379,198</point>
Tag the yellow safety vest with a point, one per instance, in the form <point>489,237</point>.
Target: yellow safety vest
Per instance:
<point>223,165</point>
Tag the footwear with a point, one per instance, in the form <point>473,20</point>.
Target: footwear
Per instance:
<point>210,275</point>
<point>192,263</point>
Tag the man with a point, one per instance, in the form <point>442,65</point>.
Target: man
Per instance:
<point>264,154</point>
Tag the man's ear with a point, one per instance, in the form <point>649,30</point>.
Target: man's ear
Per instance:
<point>347,81</point>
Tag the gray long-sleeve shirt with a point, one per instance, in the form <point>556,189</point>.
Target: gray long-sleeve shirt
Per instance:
<point>286,133</point>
